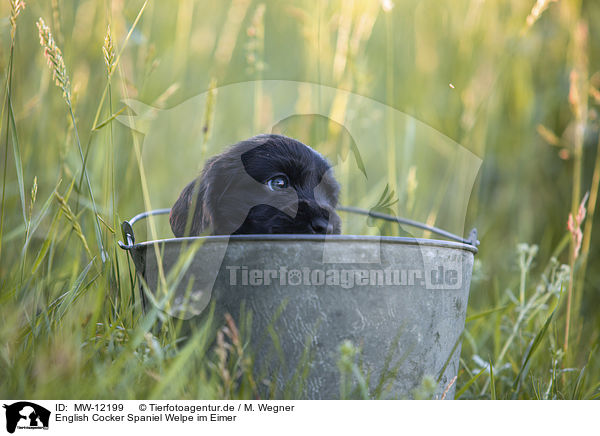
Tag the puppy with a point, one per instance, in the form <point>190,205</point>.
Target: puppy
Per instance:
<point>267,184</point>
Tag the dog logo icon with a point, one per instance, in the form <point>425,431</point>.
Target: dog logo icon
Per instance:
<point>26,415</point>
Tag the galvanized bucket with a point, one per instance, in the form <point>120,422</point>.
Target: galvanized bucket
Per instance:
<point>401,301</point>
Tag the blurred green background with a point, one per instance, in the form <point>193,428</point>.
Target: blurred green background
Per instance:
<point>514,82</point>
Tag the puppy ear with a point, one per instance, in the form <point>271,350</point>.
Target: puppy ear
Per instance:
<point>192,213</point>
<point>188,207</point>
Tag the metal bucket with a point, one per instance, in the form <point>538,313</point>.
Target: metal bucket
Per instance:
<point>401,301</point>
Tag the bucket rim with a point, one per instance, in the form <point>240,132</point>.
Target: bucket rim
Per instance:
<point>469,244</point>
<point>400,240</point>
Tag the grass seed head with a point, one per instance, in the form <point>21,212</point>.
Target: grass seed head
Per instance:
<point>34,190</point>
<point>574,226</point>
<point>108,50</point>
<point>72,218</point>
<point>537,10</point>
<point>16,6</point>
<point>55,60</point>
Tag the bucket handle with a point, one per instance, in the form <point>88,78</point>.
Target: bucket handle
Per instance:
<point>471,240</point>
<point>129,237</point>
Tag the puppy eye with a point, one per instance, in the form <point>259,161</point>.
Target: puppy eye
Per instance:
<point>278,183</point>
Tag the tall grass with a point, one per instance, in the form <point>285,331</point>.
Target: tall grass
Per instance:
<point>71,321</point>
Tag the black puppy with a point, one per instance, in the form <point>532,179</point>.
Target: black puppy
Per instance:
<point>265,184</point>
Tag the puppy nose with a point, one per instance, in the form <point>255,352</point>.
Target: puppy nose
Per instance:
<point>321,225</point>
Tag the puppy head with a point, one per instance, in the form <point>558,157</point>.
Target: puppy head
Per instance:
<point>266,184</point>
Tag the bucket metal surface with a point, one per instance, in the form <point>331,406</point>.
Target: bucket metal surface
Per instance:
<point>401,301</point>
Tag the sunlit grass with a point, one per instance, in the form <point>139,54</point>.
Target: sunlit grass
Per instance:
<point>71,321</point>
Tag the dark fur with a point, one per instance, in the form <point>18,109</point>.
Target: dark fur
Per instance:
<point>231,196</point>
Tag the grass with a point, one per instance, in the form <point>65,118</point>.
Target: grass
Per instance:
<point>516,85</point>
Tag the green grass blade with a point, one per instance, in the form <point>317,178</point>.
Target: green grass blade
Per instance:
<point>488,312</point>
<point>17,156</point>
<point>39,217</point>
<point>195,347</point>
<point>103,254</point>
<point>492,382</point>
<point>581,379</point>
<point>577,394</point>
<point>74,293</point>
<point>108,120</point>
<point>46,244</point>
<point>532,347</point>
<point>468,384</point>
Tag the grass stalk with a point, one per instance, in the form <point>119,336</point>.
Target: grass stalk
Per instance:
<point>587,232</point>
<point>162,281</point>
<point>6,106</point>
<point>61,322</point>
<point>16,7</point>
<point>389,86</point>
<point>55,60</point>
<point>105,92</point>
<point>578,100</point>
